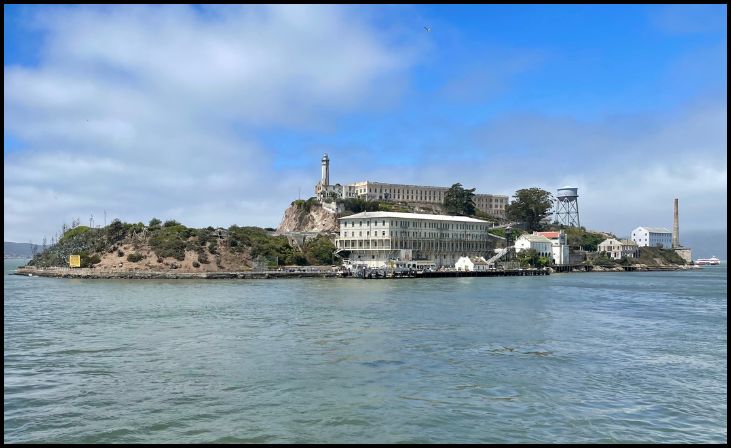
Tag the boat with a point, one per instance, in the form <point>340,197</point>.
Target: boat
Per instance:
<point>708,261</point>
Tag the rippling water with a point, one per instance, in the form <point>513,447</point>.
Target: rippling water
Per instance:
<point>603,357</point>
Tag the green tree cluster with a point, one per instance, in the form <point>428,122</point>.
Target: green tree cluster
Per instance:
<point>530,206</point>
<point>531,257</point>
<point>459,201</point>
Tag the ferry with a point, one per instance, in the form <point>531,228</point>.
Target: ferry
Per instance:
<point>708,261</point>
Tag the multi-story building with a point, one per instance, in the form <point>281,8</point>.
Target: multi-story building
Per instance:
<point>619,248</point>
<point>539,243</point>
<point>387,239</point>
<point>559,246</point>
<point>653,237</point>
<point>410,194</point>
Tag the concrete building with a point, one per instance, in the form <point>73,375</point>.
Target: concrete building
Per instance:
<point>652,237</point>
<point>418,195</point>
<point>619,248</point>
<point>391,239</point>
<point>559,246</point>
<point>539,243</point>
<point>471,264</point>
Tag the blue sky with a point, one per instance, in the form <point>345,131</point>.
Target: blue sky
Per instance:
<point>218,115</point>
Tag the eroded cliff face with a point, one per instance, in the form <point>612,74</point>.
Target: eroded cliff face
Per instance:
<point>298,219</point>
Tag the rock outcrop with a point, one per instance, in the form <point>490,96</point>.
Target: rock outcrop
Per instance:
<point>312,218</point>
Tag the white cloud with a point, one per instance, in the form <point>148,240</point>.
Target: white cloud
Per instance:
<point>153,110</point>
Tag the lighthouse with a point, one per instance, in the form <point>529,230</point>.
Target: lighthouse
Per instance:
<point>325,181</point>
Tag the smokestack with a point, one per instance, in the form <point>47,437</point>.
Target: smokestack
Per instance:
<point>676,231</point>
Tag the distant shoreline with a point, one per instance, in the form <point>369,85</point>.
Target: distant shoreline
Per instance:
<point>91,273</point>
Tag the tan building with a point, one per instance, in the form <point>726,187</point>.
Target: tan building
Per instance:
<point>410,194</point>
<point>384,239</point>
<point>619,248</point>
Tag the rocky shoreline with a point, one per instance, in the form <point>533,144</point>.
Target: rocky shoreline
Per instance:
<point>91,273</point>
<point>95,273</point>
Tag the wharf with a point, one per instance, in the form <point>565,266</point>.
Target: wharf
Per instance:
<point>381,273</point>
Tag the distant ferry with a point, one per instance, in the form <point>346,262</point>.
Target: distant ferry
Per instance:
<point>712,260</point>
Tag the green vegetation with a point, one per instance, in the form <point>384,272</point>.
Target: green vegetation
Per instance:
<point>532,258</point>
<point>501,232</point>
<point>71,233</point>
<point>357,205</point>
<point>306,205</point>
<point>319,251</point>
<point>459,201</point>
<point>134,258</point>
<point>260,244</point>
<point>173,239</point>
<point>648,255</point>
<point>89,261</point>
<point>580,237</point>
<point>530,206</point>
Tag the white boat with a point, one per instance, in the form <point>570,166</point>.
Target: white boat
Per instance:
<point>708,261</point>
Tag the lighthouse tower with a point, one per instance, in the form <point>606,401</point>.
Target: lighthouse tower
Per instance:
<point>325,181</point>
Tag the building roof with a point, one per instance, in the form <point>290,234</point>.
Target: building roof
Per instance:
<point>628,242</point>
<point>535,238</point>
<point>363,215</point>
<point>550,235</point>
<point>655,229</point>
<point>612,241</point>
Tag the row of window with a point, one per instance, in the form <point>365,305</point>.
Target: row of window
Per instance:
<point>421,225</point>
<point>431,235</point>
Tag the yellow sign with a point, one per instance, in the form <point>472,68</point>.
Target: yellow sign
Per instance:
<point>75,261</point>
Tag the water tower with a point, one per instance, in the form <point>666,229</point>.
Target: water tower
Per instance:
<point>567,206</point>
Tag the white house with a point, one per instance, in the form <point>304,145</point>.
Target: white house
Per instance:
<point>619,248</point>
<point>539,243</point>
<point>559,246</point>
<point>471,264</point>
<point>653,237</point>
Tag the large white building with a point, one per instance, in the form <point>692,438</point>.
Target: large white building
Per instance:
<point>559,246</point>
<point>390,239</point>
<point>539,243</point>
<point>653,237</point>
<point>410,194</point>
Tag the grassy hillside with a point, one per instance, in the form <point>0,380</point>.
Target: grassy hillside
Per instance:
<point>172,245</point>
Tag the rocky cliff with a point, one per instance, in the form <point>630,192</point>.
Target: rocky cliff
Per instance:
<point>304,216</point>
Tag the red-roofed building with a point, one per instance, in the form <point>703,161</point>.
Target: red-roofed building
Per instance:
<point>559,246</point>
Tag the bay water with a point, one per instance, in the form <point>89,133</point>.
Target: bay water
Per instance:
<point>565,358</point>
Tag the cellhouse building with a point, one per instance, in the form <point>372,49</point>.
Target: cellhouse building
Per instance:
<point>392,239</point>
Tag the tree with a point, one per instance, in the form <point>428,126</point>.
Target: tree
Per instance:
<point>154,223</point>
<point>460,201</point>
<point>530,206</point>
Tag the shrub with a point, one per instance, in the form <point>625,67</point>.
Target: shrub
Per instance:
<point>171,223</point>
<point>89,261</point>
<point>120,253</point>
<point>196,265</point>
<point>213,247</point>
<point>154,224</point>
<point>203,257</point>
<point>134,258</point>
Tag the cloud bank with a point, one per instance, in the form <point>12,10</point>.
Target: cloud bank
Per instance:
<point>153,110</point>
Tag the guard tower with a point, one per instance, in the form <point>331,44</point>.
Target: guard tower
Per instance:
<point>567,206</point>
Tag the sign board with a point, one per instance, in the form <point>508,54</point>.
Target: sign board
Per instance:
<point>75,261</point>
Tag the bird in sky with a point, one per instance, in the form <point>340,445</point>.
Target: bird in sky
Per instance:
<point>428,28</point>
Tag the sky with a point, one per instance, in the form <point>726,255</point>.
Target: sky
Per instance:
<point>219,115</point>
